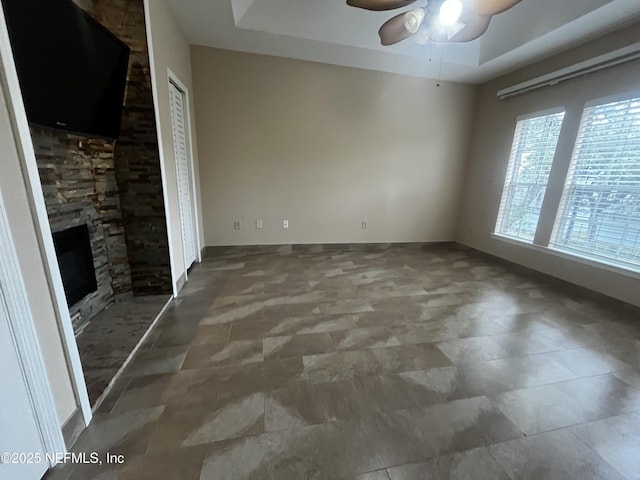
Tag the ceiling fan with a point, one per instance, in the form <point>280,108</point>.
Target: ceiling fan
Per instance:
<point>436,20</point>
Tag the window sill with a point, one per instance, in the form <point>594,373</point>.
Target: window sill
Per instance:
<point>568,256</point>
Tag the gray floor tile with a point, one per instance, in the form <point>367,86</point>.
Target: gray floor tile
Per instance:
<point>379,363</point>
<point>477,464</point>
<point>472,350</point>
<point>617,440</point>
<point>548,407</point>
<point>554,455</point>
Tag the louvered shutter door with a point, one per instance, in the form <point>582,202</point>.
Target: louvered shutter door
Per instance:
<point>182,167</point>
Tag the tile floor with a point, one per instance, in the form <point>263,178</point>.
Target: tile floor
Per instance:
<point>396,363</point>
<point>107,342</point>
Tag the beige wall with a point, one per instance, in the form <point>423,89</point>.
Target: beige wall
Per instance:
<point>169,49</point>
<point>326,147</point>
<point>491,143</point>
<point>22,225</point>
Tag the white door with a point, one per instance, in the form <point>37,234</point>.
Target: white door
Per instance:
<point>21,450</point>
<point>179,123</point>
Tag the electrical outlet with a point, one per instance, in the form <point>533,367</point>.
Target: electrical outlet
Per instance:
<point>285,224</point>
<point>364,224</point>
<point>259,224</point>
<point>236,224</point>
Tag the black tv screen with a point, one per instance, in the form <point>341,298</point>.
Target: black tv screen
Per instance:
<point>72,70</point>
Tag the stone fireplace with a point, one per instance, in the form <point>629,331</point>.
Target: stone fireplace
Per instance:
<point>112,187</point>
<point>79,184</point>
<point>75,259</point>
<point>117,277</point>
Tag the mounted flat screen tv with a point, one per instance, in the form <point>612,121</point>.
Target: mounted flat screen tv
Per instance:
<point>72,70</point>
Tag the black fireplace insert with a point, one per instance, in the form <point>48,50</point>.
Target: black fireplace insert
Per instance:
<point>73,249</point>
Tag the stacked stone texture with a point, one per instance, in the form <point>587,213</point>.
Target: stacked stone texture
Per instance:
<point>79,184</point>
<point>137,157</point>
<point>113,187</point>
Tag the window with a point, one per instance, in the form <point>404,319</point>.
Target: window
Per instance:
<point>534,147</point>
<point>599,215</point>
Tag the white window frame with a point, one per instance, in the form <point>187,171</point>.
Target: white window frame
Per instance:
<point>501,206</point>
<point>610,264</point>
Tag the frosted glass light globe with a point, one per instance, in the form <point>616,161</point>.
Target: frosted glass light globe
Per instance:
<point>450,12</point>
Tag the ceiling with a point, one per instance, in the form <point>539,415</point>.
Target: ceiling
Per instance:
<point>329,31</point>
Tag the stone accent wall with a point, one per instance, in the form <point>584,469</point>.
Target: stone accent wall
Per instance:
<point>114,187</point>
<point>79,184</point>
<point>137,156</point>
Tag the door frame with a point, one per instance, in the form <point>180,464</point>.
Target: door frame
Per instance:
<point>21,327</point>
<point>24,146</point>
<point>173,78</point>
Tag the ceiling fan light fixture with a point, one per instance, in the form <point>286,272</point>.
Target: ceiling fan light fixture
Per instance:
<point>413,19</point>
<point>450,12</point>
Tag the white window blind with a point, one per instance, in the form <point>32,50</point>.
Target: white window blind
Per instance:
<point>532,153</point>
<point>599,215</point>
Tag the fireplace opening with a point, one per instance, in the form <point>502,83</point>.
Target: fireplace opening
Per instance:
<point>73,249</point>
